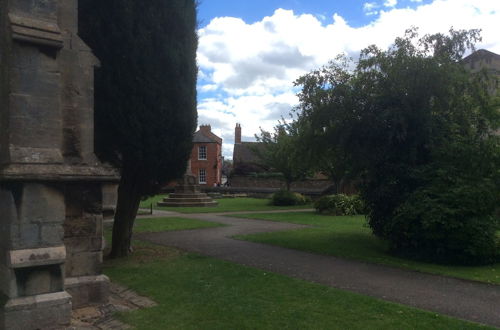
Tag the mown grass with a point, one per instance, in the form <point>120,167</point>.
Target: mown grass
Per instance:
<point>245,204</point>
<point>151,225</point>
<point>170,223</point>
<point>349,237</point>
<point>195,292</point>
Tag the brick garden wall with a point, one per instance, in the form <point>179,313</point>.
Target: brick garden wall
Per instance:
<point>249,181</point>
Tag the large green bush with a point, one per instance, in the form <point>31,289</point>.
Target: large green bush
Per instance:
<point>418,128</point>
<point>288,198</point>
<point>447,223</point>
<point>340,204</point>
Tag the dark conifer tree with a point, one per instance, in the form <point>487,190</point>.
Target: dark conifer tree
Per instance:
<point>145,95</point>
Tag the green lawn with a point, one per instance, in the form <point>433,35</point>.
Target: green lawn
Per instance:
<point>143,225</point>
<point>195,292</point>
<point>170,223</point>
<point>225,205</point>
<point>349,237</point>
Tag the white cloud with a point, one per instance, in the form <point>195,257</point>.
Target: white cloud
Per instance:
<point>252,66</point>
<point>367,6</point>
<point>370,8</point>
<point>390,3</point>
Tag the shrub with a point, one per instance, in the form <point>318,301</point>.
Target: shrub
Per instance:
<point>452,225</point>
<point>286,198</point>
<point>339,204</point>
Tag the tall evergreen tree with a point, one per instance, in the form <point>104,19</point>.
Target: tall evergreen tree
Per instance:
<point>145,95</point>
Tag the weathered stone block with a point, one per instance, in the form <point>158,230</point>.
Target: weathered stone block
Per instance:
<point>52,311</point>
<point>37,83</point>
<point>109,199</point>
<point>52,235</point>
<point>8,215</point>
<point>83,244</point>
<point>46,9</point>
<point>29,236</point>
<point>83,264</point>
<point>38,282</point>
<point>88,290</point>
<point>8,284</point>
<point>80,227</point>
<point>42,204</point>
<point>36,257</point>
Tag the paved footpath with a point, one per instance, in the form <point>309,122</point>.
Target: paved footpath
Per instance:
<point>462,299</point>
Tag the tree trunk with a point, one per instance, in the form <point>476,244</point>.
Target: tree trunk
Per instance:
<point>288,184</point>
<point>129,197</point>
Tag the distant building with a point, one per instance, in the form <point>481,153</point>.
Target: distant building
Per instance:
<point>245,157</point>
<point>206,157</point>
<point>483,59</point>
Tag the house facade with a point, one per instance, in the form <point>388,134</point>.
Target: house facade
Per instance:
<point>483,59</point>
<point>206,157</point>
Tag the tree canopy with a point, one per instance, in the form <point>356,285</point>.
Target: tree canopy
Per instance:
<point>145,95</point>
<point>281,152</point>
<point>418,129</point>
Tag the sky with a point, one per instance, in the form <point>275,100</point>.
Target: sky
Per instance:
<point>251,52</point>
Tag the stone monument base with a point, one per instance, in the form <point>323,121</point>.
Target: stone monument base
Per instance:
<point>188,200</point>
<point>187,194</point>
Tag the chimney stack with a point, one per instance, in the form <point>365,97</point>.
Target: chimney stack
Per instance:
<point>237,133</point>
<point>206,128</point>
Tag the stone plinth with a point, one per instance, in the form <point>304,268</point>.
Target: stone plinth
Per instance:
<point>187,194</point>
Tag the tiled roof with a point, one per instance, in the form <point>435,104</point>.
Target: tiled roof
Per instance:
<point>244,152</point>
<point>199,137</point>
<point>482,54</point>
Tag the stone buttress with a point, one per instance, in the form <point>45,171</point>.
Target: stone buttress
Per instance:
<point>50,180</point>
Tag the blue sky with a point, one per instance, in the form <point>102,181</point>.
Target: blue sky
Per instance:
<point>251,52</point>
<point>253,11</point>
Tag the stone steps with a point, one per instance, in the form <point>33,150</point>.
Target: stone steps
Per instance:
<point>190,200</point>
<point>177,195</point>
<point>188,204</point>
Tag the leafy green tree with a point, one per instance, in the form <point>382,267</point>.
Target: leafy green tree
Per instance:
<point>280,152</point>
<point>145,95</point>
<point>323,157</point>
<point>418,128</point>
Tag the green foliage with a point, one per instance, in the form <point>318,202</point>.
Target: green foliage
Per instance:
<point>288,198</point>
<point>145,95</point>
<point>280,153</point>
<point>145,86</point>
<point>413,123</point>
<point>340,204</point>
<point>451,217</point>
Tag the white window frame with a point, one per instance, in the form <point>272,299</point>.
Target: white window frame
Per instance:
<point>202,153</point>
<point>202,176</point>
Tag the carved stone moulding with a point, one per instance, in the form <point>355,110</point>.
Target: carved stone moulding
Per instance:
<point>35,31</point>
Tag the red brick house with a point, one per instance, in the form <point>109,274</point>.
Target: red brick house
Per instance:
<point>206,157</point>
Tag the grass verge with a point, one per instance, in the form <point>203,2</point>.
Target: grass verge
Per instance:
<point>170,223</point>
<point>225,205</point>
<point>151,225</point>
<point>195,292</point>
<point>349,237</point>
